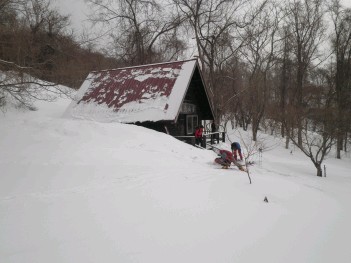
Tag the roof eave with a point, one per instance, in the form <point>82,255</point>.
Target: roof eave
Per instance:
<point>186,91</point>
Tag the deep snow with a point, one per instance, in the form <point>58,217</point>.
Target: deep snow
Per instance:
<point>83,191</point>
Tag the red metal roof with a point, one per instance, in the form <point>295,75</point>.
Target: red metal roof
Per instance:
<point>117,87</point>
<point>148,92</point>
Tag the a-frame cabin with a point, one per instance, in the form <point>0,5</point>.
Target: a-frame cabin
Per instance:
<point>168,97</point>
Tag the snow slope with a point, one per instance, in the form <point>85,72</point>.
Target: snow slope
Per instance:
<point>82,191</point>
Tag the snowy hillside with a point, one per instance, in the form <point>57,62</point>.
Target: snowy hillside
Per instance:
<point>81,191</point>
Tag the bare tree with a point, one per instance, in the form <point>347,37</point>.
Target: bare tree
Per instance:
<point>29,32</point>
<point>285,82</point>
<point>253,148</point>
<point>6,11</point>
<point>261,38</point>
<point>316,147</point>
<point>140,30</point>
<point>341,45</point>
<point>318,133</point>
<point>217,25</point>
<point>21,88</point>
<point>306,16</point>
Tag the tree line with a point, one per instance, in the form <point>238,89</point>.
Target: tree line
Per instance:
<point>36,42</point>
<point>281,66</point>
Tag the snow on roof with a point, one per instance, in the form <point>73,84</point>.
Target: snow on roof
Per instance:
<point>144,93</point>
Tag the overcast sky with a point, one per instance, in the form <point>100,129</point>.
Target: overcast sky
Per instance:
<point>78,10</point>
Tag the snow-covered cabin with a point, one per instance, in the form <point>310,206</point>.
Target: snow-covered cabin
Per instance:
<point>168,97</point>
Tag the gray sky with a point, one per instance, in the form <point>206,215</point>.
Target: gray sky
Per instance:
<point>78,10</point>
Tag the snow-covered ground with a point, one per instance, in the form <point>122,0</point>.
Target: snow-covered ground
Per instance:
<point>81,191</point>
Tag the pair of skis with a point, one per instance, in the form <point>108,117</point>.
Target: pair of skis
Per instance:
<point>225,165</point>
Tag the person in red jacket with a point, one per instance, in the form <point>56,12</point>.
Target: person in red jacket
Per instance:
<point>225,159</point>
<point>198,135</point>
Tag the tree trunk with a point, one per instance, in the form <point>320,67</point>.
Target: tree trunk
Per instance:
<point>255,125</point>
<point>254,133</point>
<point>287,142</point>
<point>287,138</point>
<point>339,146</point>
<point>319,170</point>
<point>345,143</point>
<point>299,132</point>
<point>340,131</point>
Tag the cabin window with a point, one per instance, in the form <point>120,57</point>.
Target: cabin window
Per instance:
<point>191,124</point>
<point>188,108</point>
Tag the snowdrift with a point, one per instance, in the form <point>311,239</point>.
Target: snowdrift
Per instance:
<point>82,191</point>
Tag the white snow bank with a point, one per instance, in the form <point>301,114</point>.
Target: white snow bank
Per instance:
<point>81,191</point>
